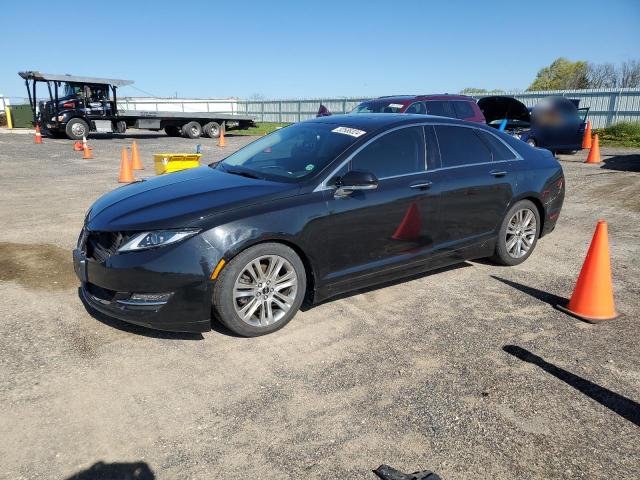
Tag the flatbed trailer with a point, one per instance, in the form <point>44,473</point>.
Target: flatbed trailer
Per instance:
<point>78,106</point>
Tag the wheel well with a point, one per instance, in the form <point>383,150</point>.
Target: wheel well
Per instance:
<point>308,267</point>
<point>540,208</point>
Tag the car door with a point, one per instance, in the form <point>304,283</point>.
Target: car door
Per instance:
<point>475,189</point>
<point>381,228</point>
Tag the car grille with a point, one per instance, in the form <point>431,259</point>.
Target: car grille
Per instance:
<point>100,246</point>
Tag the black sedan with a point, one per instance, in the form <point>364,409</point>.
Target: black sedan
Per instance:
<point>311,211</point>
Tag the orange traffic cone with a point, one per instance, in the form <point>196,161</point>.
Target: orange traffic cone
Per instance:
<point>38,138</point>
<point>136,164</point>
<point>594,153</point>
<point>86,153</point>
<point>409,228</point>
<point>221,142</point>
<point>586,140</point>
<point>77,146</point>
<point>126,175</point>
<point>592,299</point>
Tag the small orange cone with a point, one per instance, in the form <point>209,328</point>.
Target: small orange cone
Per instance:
<point>77,146</point>
<point>594,153</point>
<point>409,228</point>
<point>592,299</point>
<point>586,140</point>
<point>126,175</point>
<point>221,142</point>
<point>86,153</point>
<point>38,138</point>
<point>136,164</point>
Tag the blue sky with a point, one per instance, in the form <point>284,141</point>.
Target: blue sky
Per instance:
<point>322,48</point>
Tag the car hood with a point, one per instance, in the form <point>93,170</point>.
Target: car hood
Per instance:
<point>180,199</point>
<point>497,108</point>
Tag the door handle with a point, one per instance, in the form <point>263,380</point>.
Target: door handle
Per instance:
<point>421,185</point>
<point>498,173</point>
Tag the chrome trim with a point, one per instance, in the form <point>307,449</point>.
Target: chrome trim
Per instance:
<point>322,186</point>
<point>140,303</point>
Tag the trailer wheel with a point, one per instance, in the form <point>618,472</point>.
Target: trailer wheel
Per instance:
<point>192,130</point>
<point>172,131</point>
<point>76,129</point>
<point>212,130</point>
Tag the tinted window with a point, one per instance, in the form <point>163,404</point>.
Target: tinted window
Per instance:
<point>379,106</point>
<point>461,146</point>
<point>464,110</point>
<point>499,150</point>
<point>417,107</point>
<point>439,107</point>
<point>396,153</point>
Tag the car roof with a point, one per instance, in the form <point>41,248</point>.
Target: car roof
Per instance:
<point>412,98</point>
<point>375,121</point>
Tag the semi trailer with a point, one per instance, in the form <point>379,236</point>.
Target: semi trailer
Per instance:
<point>78,106</point>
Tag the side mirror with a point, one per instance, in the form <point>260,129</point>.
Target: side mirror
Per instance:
<point>355,180</point>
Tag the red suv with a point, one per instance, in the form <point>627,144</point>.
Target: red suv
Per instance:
<point>454,106</point>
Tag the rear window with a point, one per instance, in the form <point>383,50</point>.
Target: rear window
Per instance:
<point>386,106</point>
<point>464,110</point>
<point>439,107</point>
<point>461,146</point>
<point>499,150</point>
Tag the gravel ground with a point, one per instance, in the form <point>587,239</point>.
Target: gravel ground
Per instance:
<point>468,371</point>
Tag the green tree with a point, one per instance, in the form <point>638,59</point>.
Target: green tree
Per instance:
<point>562,74</point>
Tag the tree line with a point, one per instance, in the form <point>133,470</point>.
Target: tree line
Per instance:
<point>563,74</point>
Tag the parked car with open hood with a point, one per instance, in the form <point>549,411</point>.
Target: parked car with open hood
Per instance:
<point>555,123</point>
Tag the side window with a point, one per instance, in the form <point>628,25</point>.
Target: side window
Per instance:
<point>499,150</point>
<point>397,153</point>
<point>461,146</point>
<point>441,108</point>
<point>417,107</point>
<point>463,110</point>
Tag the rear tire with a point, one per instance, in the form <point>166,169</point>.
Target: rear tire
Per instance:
<point>212,129</point>
<point>172,131</point>
<point>518,234</point>
<point>192,130</point>
<point>76,129</point>
<point>251,302</point>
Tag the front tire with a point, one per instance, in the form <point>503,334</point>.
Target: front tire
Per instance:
<point>76,129</point>
<point>518,234</point>
<point>260,290</point>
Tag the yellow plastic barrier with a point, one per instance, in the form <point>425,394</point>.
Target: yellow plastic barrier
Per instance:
<point>174,162</point>
<point>7,111</point>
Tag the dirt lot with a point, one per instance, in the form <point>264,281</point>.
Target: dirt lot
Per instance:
<point>469,372</point>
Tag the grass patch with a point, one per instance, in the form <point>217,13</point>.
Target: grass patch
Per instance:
<point>259,129</point>
<point>623,134</point>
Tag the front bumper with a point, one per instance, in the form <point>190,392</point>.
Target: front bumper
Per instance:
<point>107,287</point>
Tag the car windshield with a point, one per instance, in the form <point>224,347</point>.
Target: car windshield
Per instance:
<point>378,107</point>
<point>293,152</point>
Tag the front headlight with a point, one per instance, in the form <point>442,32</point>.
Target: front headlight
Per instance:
<point>145,240</point>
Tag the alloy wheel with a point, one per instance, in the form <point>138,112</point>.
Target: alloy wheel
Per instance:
<point>521,233</point>
<point>265,290</point>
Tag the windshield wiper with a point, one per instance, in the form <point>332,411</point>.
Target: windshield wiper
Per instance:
<point>243,173</point>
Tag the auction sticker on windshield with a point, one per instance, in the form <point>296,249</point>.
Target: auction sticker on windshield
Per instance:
<point>354,132</point>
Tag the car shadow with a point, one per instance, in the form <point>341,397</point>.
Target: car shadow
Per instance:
<point>543,296</point>
<point>136,329</point>
<point>622,163</point>
<point>623,406</point>
<point>308,306</point>
<point>115,471</point>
